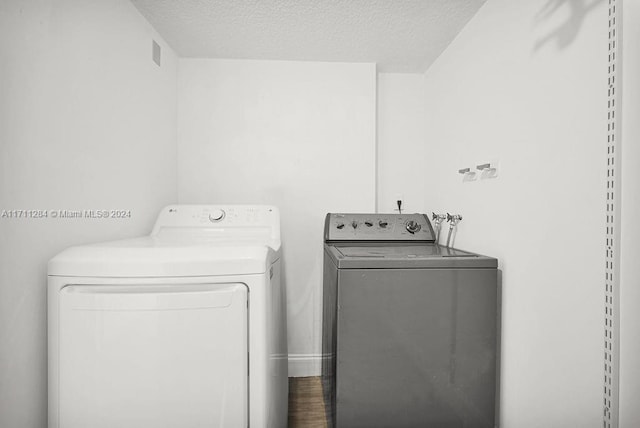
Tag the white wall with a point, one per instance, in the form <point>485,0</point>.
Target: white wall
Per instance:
<point>540,109</point>
<point>401,141</point>
<point>298,135</point>
<point>87,121</point>
<point>630,215</point>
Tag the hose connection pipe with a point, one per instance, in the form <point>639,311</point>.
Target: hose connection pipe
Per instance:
<point>437,224</point>
<point>453,220</point>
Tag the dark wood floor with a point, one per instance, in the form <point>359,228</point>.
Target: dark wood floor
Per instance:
<point>306,405</point>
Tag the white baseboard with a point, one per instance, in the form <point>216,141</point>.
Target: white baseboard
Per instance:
<point>304,365</point>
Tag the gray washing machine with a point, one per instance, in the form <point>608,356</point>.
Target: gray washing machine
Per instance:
<point>409,327</point>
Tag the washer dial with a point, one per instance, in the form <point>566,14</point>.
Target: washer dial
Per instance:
<point>413,226</point>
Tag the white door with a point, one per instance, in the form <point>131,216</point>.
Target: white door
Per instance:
<point>153,356</point>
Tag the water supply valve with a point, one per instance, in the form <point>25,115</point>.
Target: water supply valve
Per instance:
<point>454,219</point>
<point>438,218</point>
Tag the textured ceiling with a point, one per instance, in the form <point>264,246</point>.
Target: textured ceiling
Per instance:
<point>398,35</point>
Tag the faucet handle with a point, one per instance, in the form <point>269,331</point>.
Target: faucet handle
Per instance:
<point>438,218</point>
<point>454,218</point>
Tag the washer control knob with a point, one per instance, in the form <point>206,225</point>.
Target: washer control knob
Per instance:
<point>340,225</point>
<point>368,223</point>
<point>383,224</point>
<point>413,226</point>
<point>354,224</point>
<point>216,215</point>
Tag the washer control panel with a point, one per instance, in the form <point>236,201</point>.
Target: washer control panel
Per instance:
<point>378,227</point>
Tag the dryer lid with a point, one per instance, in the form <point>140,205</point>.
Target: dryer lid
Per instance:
<point>187,240</point>
<point>153,257</point>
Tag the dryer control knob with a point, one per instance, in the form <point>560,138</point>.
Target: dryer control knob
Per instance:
<point>413,226</point>
<point>216,215</point>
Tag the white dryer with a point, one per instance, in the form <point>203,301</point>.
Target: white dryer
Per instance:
<point>182,328</point>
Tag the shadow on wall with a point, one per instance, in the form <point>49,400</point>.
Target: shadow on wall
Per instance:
<point>567,32</point>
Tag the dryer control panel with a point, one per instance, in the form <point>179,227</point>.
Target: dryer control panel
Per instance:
<point>378,227</point>
<point>225,221</point>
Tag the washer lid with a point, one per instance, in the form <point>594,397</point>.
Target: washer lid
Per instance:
<point>391,256</point>
<point>402,252</point>
<point>154,257</point>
